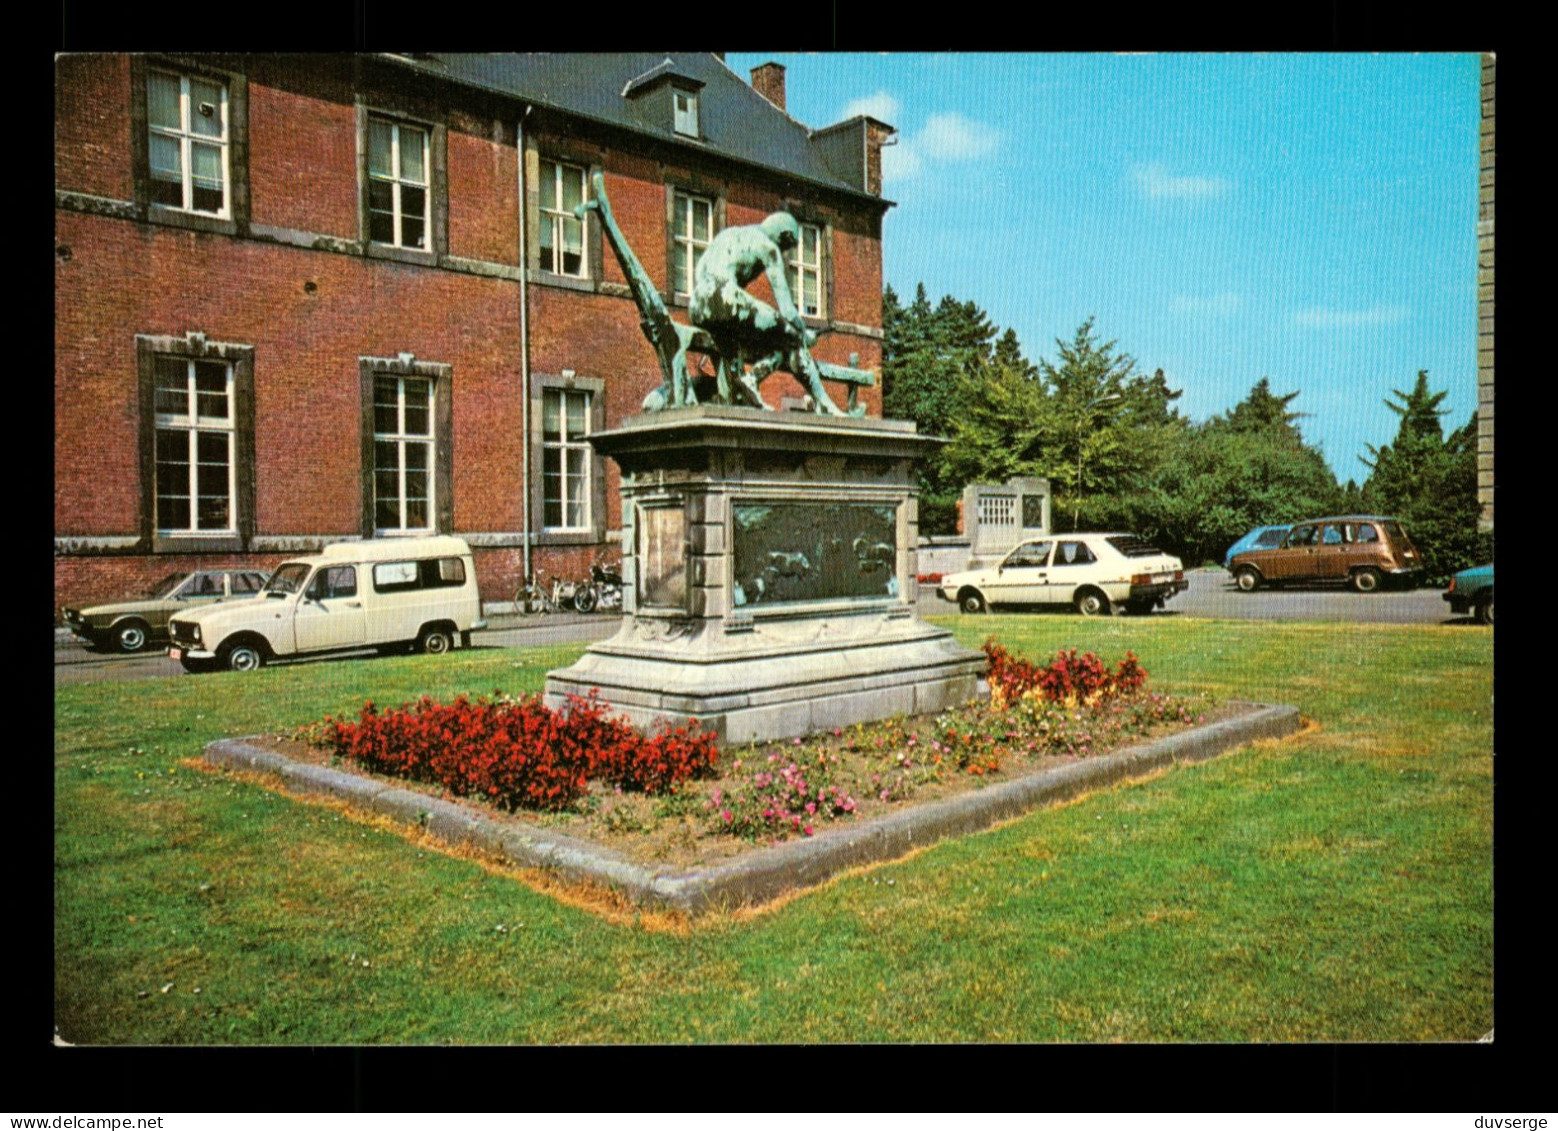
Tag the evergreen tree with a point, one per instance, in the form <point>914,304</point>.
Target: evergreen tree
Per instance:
<point>927,356</point>
<point>1115,426</point>
<point>1086,421</point>
<point>1265,411</point>
<point>1429,481</point>
<point>1008,355</point>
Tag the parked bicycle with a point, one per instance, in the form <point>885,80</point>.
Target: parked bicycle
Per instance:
<point>530,597</point>
<point>566,595</point>
<point>603,591</point>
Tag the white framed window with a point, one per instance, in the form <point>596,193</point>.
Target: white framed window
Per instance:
<point>402,454</point>
<point>694,228</point>
<point>187,142</point>
<point>195,446</point>
<point>805,270</point>
<point>562,234</point>
<point>565,459</point>
<point>684,113</point>
<point>399,193</point>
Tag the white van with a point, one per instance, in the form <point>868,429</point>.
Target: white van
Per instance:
<point>393,594</point>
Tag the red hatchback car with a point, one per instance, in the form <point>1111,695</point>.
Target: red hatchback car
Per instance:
<point>1363,550</point>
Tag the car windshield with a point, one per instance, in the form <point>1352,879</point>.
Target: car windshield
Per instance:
<point>167,585</point>
<point>286,580</point>
<point>1272,537</point>
<point>1132,546</point>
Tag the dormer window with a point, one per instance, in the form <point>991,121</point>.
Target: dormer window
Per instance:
<point>667,91</point>
<point>685,112</point>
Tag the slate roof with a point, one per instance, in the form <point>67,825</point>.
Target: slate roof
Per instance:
<point>737,122</point>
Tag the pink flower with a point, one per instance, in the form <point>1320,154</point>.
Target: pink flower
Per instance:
<point>808,830</point>
<point>811,807</point>
<point>727,815</point>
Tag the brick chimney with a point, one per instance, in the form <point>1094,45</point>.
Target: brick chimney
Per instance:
<point>878,134</point>
<point>768,80</point>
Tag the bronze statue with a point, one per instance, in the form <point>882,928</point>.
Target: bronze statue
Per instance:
<point>731,328</point>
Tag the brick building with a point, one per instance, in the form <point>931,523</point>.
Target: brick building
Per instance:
<point>301,299</point>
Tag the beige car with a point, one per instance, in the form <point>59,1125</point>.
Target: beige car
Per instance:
<point>1093,573</point>
<point>391,594</point>
<point>133,625</point>
<point>1365,551</point>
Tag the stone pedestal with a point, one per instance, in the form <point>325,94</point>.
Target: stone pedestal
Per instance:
<point>769,567</point>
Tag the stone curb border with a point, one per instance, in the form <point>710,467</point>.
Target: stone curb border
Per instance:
<point>767,873</point>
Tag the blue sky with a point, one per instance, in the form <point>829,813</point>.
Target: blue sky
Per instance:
<point>1308,218</point>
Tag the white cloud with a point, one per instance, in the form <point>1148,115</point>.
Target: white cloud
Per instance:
<point>944,139</point>
<point>900,162</point>
<point>952,137</point>
<point>881,106</point>
<point>1219,305</point>
<point>1326,317</point>
<point>1156,181</point>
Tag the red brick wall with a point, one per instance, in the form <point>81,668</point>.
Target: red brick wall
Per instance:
<point>303,148</point>
<point>126,279</point>
<point>92,150</point>
<point>637,196</point>
<point>310,315</point>
<point>483,191</point>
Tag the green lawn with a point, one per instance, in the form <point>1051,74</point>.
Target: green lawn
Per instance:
<point>1336,886</point>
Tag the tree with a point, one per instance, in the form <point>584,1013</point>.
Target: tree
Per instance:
<point>1265,411</point>
<point>927,355</point>
<point>1429,481</point>
<point>1116,427</point>
<point>926,352</point>
<point>1086,421</point>
<point>1006,429</point>
<point>1244,468</point>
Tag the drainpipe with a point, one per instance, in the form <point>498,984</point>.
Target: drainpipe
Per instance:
<point>524,339</point>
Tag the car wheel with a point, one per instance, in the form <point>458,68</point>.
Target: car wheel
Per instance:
<point>1484,611</point>
<point>435,641</point>
<point>1247,579</point>
<point>585,599</point>
<point>241,657</point>
<point>1092,603</point>
<point>972,601</point>
<point>1366,580</point>
<point>131,635</point>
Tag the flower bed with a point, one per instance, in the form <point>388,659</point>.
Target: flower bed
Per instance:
<point>519,753</point>
<point>675,797</point>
